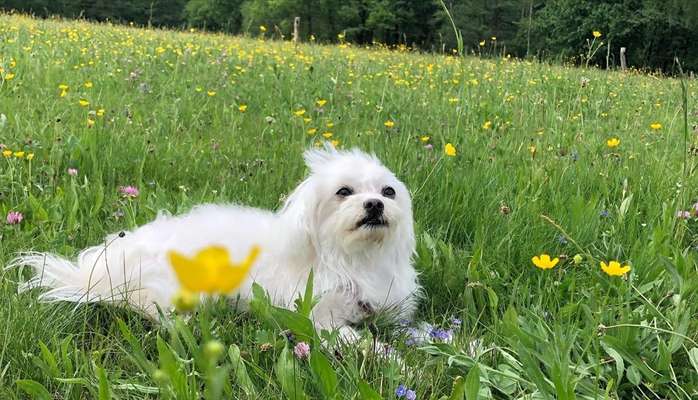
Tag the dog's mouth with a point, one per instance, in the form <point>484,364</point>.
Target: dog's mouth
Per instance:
<point>371,221</point>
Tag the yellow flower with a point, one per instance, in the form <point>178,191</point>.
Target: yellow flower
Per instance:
<point>493,38</point>
<point>613,268</point>
<point>321,102</point>
<point>312,131</point>
<point>30,156</point>
<point>88,84</point>
<point>482,43</point>
<point>389,124</point>
<point>329,125</point>
<point>211,271</point>
<point>19,154</point>
<point>242,107</point>
<point>262,28</point>
<point>453,100</point>
<point>9,76</point>
<point>544,261</point>
<point>327,135</point>
<point>613,142</point>
<point>7,153</point>
<point>90,122</point>
<point>596,34</point>
<point>656,126</point>
<point>63,86</point>
<point>335,143</point>
<point>424,139</point>
<point>299,113</point>
<point>100,112</point>
<point>84,103</point>
<point>487,125</point>
<point>211,93</point>
<point>450,150</point>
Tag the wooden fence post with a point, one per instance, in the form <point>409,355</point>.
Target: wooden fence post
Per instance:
<point>623,65</point>
<point>296,29</point>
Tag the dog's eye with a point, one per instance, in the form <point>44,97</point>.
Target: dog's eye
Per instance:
<point>389,192</point>
<point>345,191</point>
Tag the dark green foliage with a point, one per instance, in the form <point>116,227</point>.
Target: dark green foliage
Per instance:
<point>654,32</point>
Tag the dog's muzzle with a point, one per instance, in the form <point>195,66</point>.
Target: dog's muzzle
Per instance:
<point>374,216</point>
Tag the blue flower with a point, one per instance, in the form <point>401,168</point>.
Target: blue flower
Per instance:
<point>410,395</point>
<point>456,322</point>
<point>603,213</point>
<point>401,390</point>
<point>444,335</point>
<point>562,240</point>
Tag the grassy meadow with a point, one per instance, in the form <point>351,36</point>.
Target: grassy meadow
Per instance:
<point>189,117</point>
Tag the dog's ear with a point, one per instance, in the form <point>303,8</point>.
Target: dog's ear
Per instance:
<point>300,211</point>
<point>315,158</point>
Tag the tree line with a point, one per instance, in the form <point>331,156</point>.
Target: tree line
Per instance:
<point>655,32</point>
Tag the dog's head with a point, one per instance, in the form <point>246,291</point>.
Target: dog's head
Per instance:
<point>352,203</point>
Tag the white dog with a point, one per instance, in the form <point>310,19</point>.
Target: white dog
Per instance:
<point>350,221</point>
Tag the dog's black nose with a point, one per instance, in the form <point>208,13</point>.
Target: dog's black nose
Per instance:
<point>373,206</point>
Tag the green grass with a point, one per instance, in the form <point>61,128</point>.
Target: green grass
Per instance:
<point>569,332</point>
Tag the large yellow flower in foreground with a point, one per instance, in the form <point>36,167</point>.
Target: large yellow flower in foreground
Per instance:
<point>450,150</point>
<point>544,262</point>
<point>613,268</point>
<point>211,270</point>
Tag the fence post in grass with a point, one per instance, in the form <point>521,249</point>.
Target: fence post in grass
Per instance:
<point>623,65</point>
<point>296,29</point>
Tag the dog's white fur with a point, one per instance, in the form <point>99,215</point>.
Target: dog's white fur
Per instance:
<point>316,229</point>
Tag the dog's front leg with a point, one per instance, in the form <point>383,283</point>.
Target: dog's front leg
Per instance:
<point>338,310</point>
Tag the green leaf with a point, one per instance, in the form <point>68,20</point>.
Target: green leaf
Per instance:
<point>472,383</point>
<point>458,391</point>
<point>240,372</point>
<point>366,392</point>
<point>693,356</point>
<point>634,375</point>
<point>34,389</point>
<point>620,365</point>
<point>288,376</point>
<point>323,373</point>
<point>38,211</point>
<point>104,386</point>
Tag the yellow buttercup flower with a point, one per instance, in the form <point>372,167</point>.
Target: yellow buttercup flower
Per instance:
<point>656,126</point>
<point>596,34</point>
<point>613,268</point>
<point>544,262</point>
<point>19,154</point>
<point>211,270</point>
<point>482,43</point>
<point>389,124</point>
<point>211,93</point>
<point>450,150</point>
<point>242,107</point>
<point>88,84</point>
<point>9,76</point>
<point>7,153</point>
<point>424,139</point>
<point>262,28</point>
<point>327,135</point>
<point>613,142</point>
<point>100,112</point>
<point>487,125</point>
<point>299,113</point>
<point>312,131</point>
<point>30,156</point>
<point>84,103</point>
<point>321,102</point>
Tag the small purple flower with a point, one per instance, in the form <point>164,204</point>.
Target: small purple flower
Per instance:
<point>401,390</point>
<point>444,335</point>
<point>410,395</point>
<point>72,171</point>
<point>562,240</point>
<point>429,146</point>
<point>603,214</point>
<point>14,217</point>
<point>129,191</point>
<point>456,322</point>
<point>404,322</point>
<point>683,214</point>
<point>301,350</point>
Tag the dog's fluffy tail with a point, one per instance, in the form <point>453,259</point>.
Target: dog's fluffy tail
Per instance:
<point>113,272</point>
